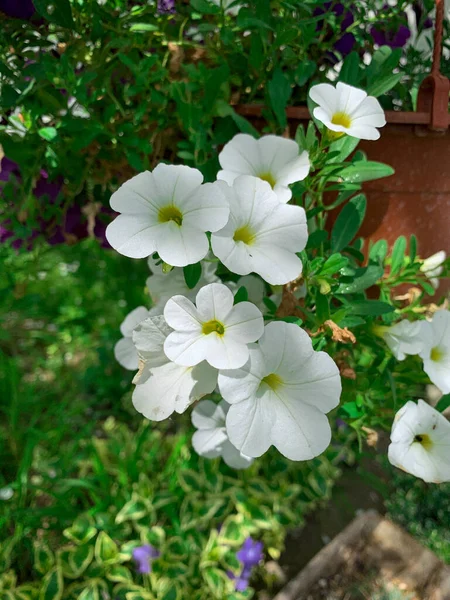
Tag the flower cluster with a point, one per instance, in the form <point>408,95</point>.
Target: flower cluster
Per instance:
<point>218,253</point>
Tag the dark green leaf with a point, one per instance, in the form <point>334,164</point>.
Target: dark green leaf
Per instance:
<point>279,90</point>
<point>58,12</point>
<point>316,238</point>
<point>322,307</point>
<point>349,72</point>
<point>381,85</point>
<point>204,7</point>
<point>379,251</point>
<point>348,222</point>
<point>443,403</point>
<point>241,295</point>
<point>370,307</point>
<point>52,586</point>
<point>412,248</point>
<point>192,274</point>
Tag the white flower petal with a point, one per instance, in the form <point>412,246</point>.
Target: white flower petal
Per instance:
<point>207,209</point>
<point>241,384</point>
<point>126,354</point>
<point>149,337</point>
<point>208,415</point>
<point>175,183</point>
<point>180,313</point>
<point>181,245</point>
<point>133,235</point>
<point>245,323</point>
<point>404,338</point>
<point>324,94</point>
<point>187,348</point>
<point>209,442</point>
<point>136,196</point>
<point>249,425</point>
<point>239,156</point>
<point>233,457</point>
<point>296,170</point>
<point>275,265</point>
<point>132,320</point>
<point>214,302</point>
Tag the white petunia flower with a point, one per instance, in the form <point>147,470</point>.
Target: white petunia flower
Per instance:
<point>163,387</point>
<point>436,350</point>
<point>281,395</point>
<point>125,351</point>
<point>403,338</point>
<point>162,286</point>
<point>271,158</point>
<point>167,211</point>
<point>215,331</point>
<point>421,442</point>
<point>211,439</point>
<point>432,267</point>
<point>262,234</point>
<point>346,109</point>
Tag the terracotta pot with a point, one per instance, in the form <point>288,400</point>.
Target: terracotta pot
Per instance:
<point>416,200</point>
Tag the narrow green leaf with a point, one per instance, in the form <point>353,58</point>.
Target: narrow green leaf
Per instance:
<point>398,255</point>
<point>143,27</point>
<point>362,171</point>
<point>371,275</point>
<point>349,72</point>
<point>380,86</point>
<point>348,223</point>
<point>412,248</point>
<point>443,403</point>
<point>204,7</point>
<point>322,307</point>
<point>370,308</point>
<point>378,251</point>
<point>48,133</point>
<point>316,238</point>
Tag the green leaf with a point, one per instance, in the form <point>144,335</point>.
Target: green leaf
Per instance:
<point>322,307</point>
<point>361,171</point>
<point>349,72</point>
<point>279,90</point>
<point>133,510</point>
<point>381,85</point>
<point>189,480</point>
<point>231,531</point>
<point>106,550</point>
<point>412,248</point>
<point>82,530</point>
<point>43,558</point>
<point>52,586</point>
<point>26,592</point>
<point>379,251</point>
<point>348,222</point>
<point>192,274</point>
<point>80,559</point>
<point>370,307</point>
<point>333,264</point>
<point>371,275</point>
<point>119,574</point>
<point>352,410</point>
<point>443,403</point>
<point>143,27</point>
<point>398,254</point>
<point>204,7</point>
<point>316,238</point>
<point>216,581</point>
<point>343,147</point>
<point>48,133</point>
<point>241,295</point>
<point>58,12</point>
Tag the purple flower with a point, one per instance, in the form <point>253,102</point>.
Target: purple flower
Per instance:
<point>18,9</point>
<point>166,7</point>
<point>143,555</point>
<point>394,39</point>
<point>346,41</point>
<point>251,553</point>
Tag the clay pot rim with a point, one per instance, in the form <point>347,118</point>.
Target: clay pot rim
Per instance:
<point>301,113</point>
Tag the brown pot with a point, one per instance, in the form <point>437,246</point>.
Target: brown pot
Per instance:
<point>416,199</point>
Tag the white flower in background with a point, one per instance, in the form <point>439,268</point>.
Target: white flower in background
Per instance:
<point>211,439</point>
<point>162,286</point>
<point>432,267</point>
<point>262,234</point>
<point>124,351</point>
<point>167,211</point>
<point>271,158</point>
<point>420,442</point>
<point>281,395</point>
<point>226,4</point>
<point>163,387</point>
<point>215,330</point>
<point>346,109</point>
<point>256,290</point>
<point>403,338</point>
<point>436,350</point>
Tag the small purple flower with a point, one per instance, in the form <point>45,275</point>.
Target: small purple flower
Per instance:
<point>393,39</point>
<point>344,45</point>
<point>166,7</point>
<point>18,9</point>
<point>251,553</point>
<point>143,555</point>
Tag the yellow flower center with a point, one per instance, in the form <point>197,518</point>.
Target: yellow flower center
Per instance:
<point>244,234</point>
<point>341,118</point>
<point>436,354</point>
<point>424,440</point>
<point>269,178</point>
<point>170,213</point>
<point>273,380</point>
<point>213,327</point>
